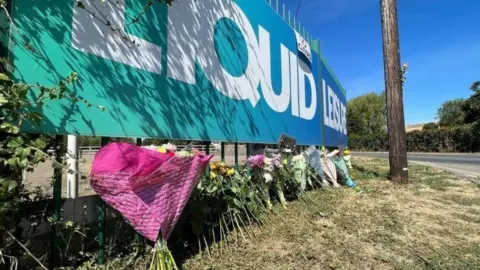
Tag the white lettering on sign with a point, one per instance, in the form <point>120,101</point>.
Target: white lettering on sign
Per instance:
<point>304,74</point>
<point>278,103</point>
<point>94,36</point>
<point>191,26</point>
<point>334,111</point>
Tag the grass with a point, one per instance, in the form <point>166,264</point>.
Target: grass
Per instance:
<point>430,224</point>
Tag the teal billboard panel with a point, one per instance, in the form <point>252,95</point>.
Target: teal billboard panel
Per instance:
<point>334,109</point>
<point>202,70</point>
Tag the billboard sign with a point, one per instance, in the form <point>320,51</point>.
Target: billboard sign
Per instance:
<point>209,70</point>
<point>220,70</point>
<point>334,109</point>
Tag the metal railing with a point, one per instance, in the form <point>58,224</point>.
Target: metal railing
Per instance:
<point>84,151</point>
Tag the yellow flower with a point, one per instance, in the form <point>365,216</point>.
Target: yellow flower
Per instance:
<point>213,175</point>
<point>213,166</point>
<point>285,162</point>
<point>222,164</point>
<point>231,171</point>
<point>162,150</point>
<point>222,170</point>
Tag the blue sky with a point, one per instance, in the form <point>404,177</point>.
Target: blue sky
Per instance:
<point>440,41</point>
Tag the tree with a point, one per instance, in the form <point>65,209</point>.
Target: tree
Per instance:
<point>451,113</point>
<point>366,114</point>
<point>471,107</point>
<point>430,126</point>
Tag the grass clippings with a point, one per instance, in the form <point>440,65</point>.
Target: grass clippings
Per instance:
<point>432,223</point>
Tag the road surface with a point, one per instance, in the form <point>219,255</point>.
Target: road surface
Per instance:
<point>467,165</point>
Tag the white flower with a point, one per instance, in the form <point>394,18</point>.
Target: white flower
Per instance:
<point>151,147</point>
<point>170,147</point>
<point>268,164</point>
<point>298,158</point>
<point>268,177</point>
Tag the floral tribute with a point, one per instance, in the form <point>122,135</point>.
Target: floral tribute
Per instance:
<point>148,186</point>
<point>152,185</point>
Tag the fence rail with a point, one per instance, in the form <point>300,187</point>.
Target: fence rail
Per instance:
<point>92,150</point>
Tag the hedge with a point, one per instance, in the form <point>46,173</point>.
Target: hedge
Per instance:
<point>459,139</point>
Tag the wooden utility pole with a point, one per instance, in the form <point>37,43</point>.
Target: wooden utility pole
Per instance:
<point>393,88</point>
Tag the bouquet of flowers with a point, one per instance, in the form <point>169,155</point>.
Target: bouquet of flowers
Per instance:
<point>299,165</point>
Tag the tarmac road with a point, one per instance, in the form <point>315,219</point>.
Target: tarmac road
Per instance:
<point>467,165</point>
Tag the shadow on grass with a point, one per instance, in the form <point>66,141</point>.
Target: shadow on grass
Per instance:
<point>360,172</point>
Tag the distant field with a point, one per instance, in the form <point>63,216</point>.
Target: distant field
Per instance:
<point>410,128</point>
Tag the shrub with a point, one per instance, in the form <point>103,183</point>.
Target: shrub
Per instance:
<point>457,139</point>
<point>430,126</point>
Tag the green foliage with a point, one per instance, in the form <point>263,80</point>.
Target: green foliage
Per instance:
<point>430,126</point>
<point>458,139</point>
<point>19,151</point>
<point>451,113</point>
<point>471,107</point>
<point>370,142</point>
<point>366,114</point>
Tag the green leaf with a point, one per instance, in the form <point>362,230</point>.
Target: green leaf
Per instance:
<point>19,151</point>
<point>39,156</point>
<point>36,117</point>
<point>15,142</point>
<point>39,143</point>
<point>12,161</point>
<point>9,128</point>
<point>26,152</point>
<point>238,203</point>
<point>12,185</point>
<point>4,77</point>
<point>212,189</point>
<point>3,100</point>
<point>21,90</point>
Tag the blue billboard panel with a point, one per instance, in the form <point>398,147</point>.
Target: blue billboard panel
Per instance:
<point>198,70</point>
<point>334,109</point>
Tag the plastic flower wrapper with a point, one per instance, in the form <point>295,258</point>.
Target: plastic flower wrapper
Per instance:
<point>329,168</point>
<point>185,153</point>
<point>151,147</point>
<point>267,178</point>
<point>342,169</point>
<point>314,159</point>
<point>272,167</point>
<point>300,170</point>
<point>278,187</point>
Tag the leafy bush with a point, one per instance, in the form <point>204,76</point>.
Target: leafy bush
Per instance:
<point>430,126</point>
<point>458,139</point>
<point>372,142</point>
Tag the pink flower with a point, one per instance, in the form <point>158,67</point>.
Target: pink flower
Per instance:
<point>256,161</point>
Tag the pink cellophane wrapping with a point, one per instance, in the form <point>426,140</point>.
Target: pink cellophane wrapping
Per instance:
<point>148,188</point>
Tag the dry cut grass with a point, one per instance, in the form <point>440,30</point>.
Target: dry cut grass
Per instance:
<point>433,223</point>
